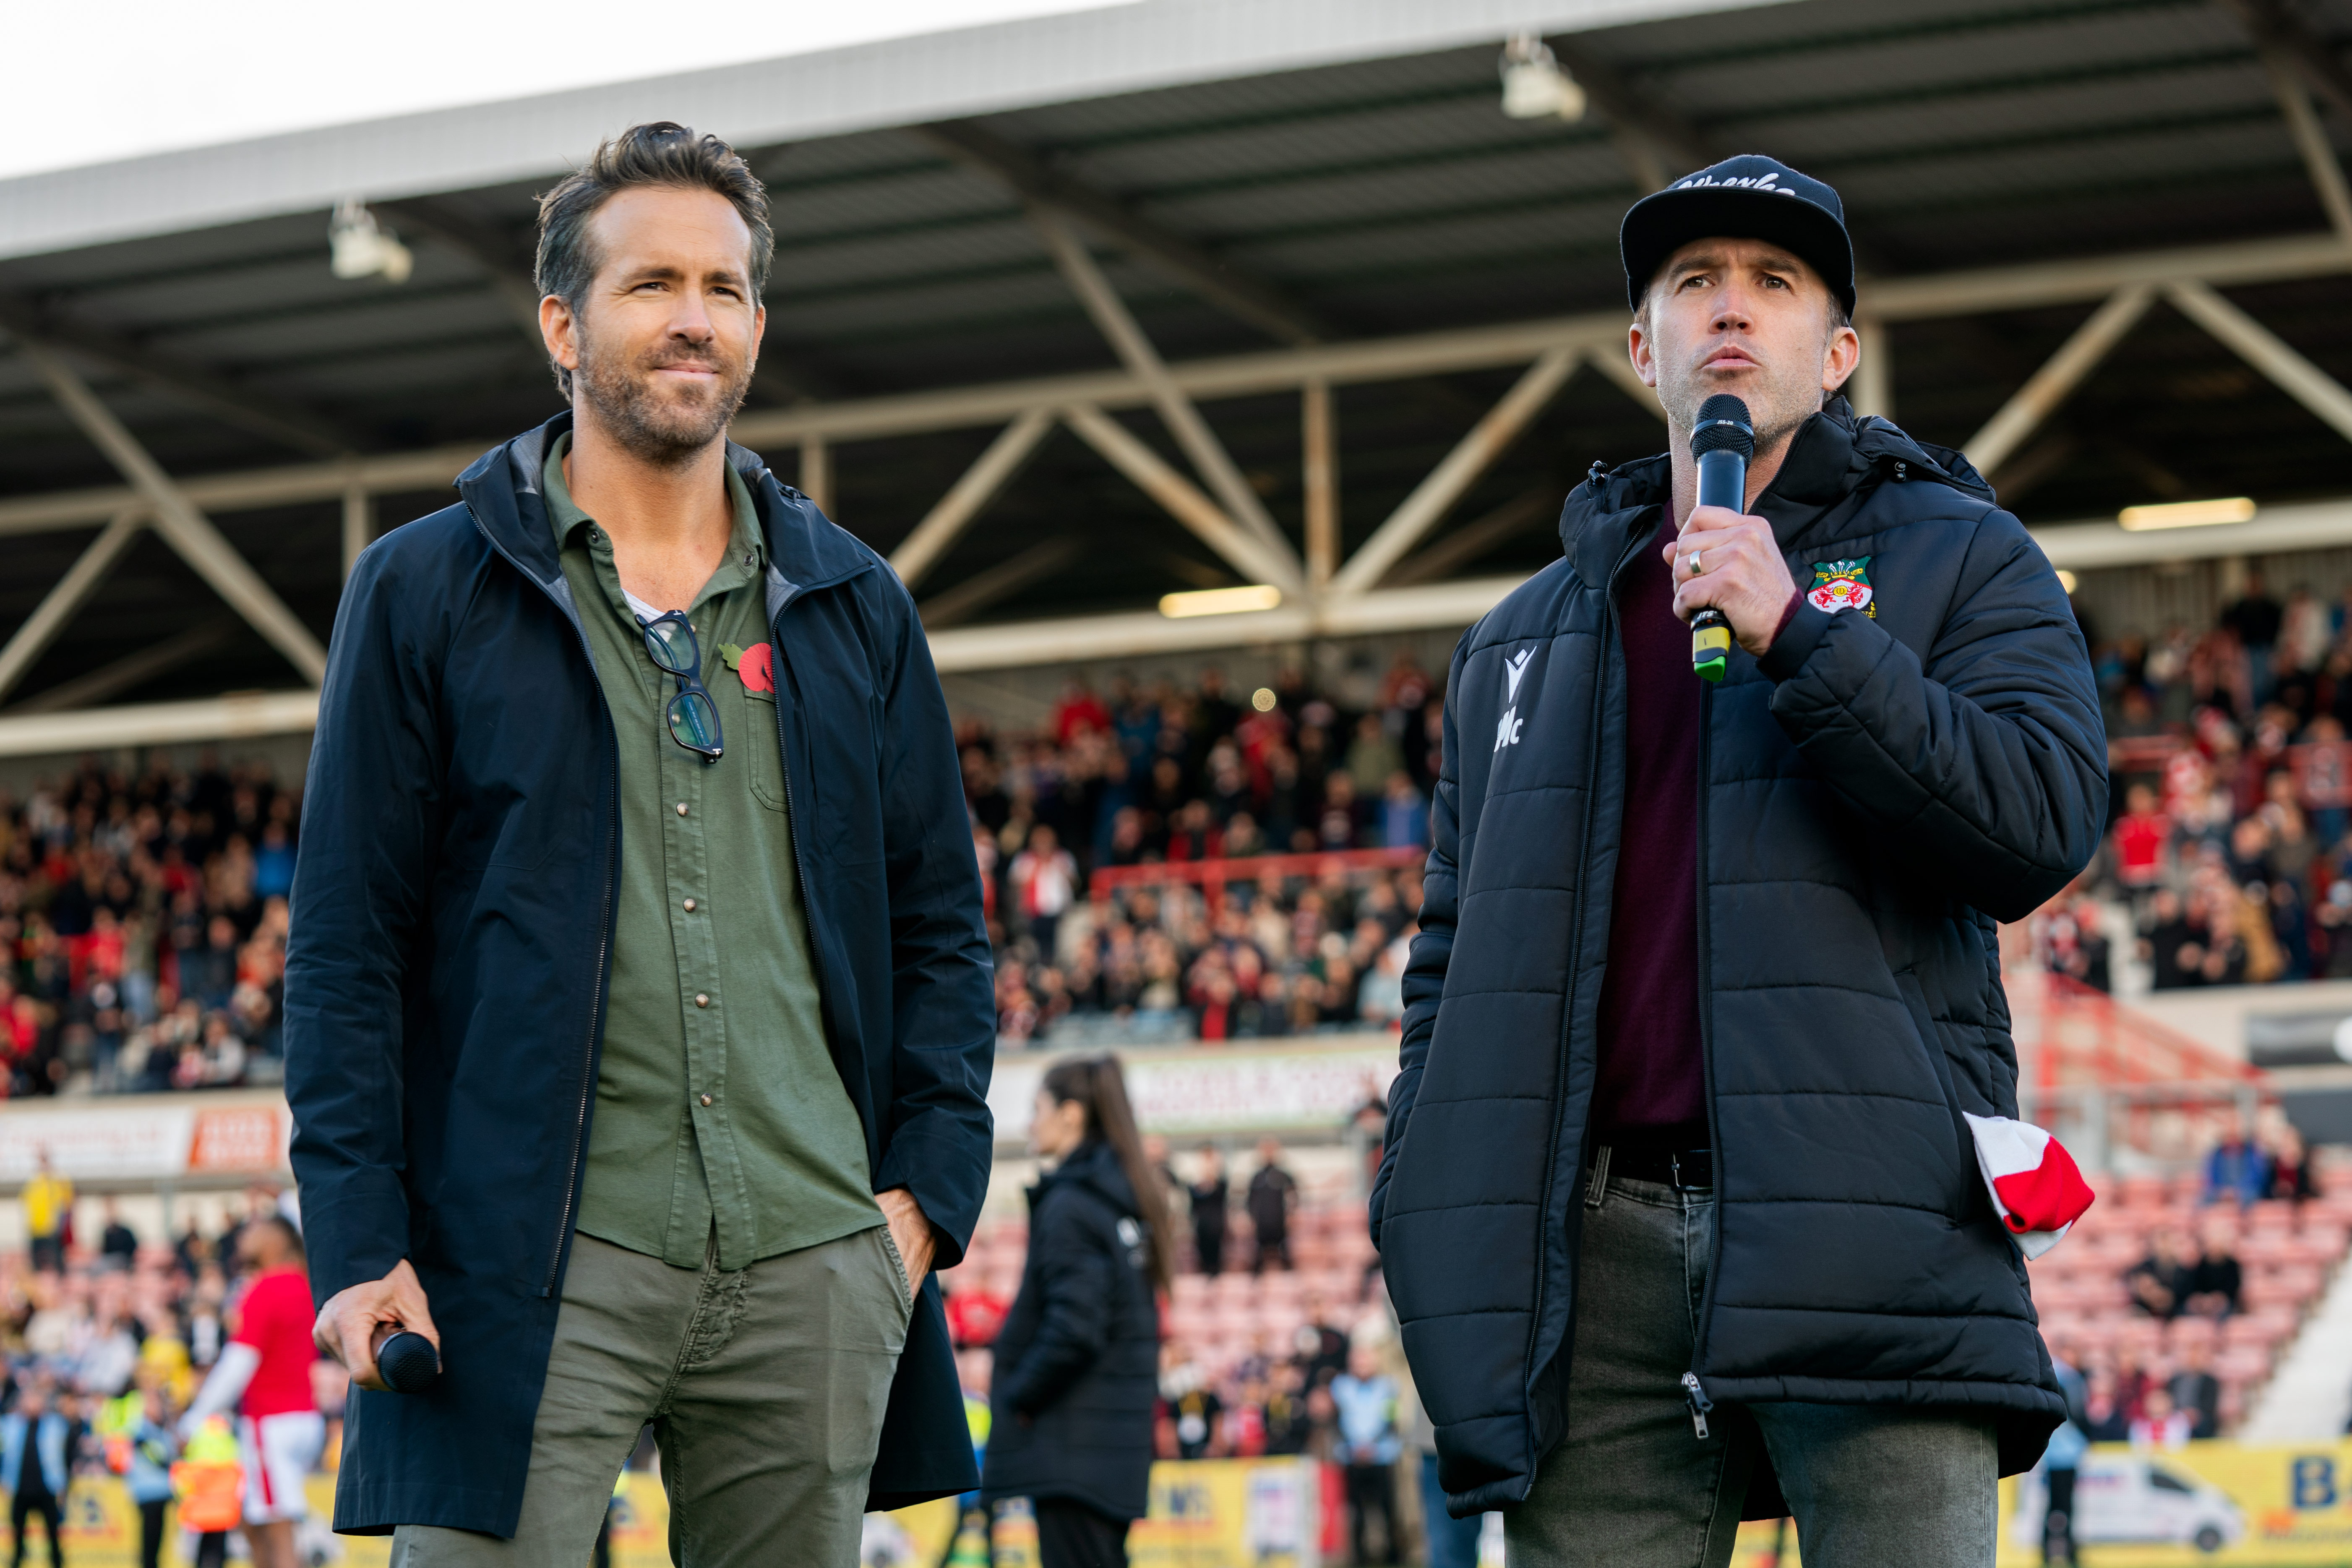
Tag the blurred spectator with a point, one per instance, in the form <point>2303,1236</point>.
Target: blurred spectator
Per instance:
<point>2142,840</point>
<point>38,1441</point>
<point>1210,1191</point>
<point>1273,1193</point>
<point>2215,1282</point>
<point>2195,1391</point>
<point>2160,1282</point>
<point>1194,1405</point>
<point>2107,1417</point>
<point>1322,1348</point>
<point>1366,1403</point>
<point>1288,1425</point>
<point>118,1244</point>
<point>1045,881</point>
<point>2255,618</point>
<point>48,1215</point>
<point>2159,1425</point>
<point>2290,1168</point>
<point>2236,1170</point>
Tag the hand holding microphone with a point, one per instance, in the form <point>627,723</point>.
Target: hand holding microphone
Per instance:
<point>382,1330</point>
<point>1729,578</point>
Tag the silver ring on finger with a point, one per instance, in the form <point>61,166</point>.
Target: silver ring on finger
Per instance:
<point>1696,569</point>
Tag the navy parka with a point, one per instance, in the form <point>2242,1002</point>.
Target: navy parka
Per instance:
<point>449,946</point>
<point>1878,789</point>
<point>1077,1362</point>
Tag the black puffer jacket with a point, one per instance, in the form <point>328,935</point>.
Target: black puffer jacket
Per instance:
<point>1077,1363</point>
<point>1875,794</point>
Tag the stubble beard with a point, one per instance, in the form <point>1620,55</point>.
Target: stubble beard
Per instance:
<point>1777,403</point>
<point>666,432</point>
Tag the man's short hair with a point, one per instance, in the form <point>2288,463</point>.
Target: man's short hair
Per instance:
<point>665,155</point>
<point>286,1228</point>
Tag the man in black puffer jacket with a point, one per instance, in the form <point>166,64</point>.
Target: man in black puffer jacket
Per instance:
<point>1679,1209</point>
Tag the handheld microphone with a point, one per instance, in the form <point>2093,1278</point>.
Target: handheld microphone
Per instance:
<point>407,1362</point>
<point>1721,445</point>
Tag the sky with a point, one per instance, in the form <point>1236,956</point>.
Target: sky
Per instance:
<point>133,77</point>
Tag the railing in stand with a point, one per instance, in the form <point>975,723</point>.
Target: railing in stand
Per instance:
<point>1212,877</point>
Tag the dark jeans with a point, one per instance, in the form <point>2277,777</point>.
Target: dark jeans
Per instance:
<point>1632,1485</point>
<point>21,1510</point>
<point>151,1531</point>
<point>212,1549</point>
<point>1072,1535</point>
<point>48,1254</point>
<point>1273,1251</point>
<point>1372,1488</point>
<point>1453,1542</point>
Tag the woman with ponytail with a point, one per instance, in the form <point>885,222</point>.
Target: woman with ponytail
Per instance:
<point>1077,1362</point>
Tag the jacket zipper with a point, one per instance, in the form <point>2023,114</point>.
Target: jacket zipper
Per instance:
<point>603,940</point>
<point>1692,1389</point>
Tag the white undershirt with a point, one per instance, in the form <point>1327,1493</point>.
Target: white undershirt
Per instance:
<point>643,610</point>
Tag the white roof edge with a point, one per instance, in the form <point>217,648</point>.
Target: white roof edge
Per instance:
<point>974,70</point>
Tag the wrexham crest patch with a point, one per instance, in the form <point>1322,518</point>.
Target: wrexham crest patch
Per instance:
<point>1843,585</point>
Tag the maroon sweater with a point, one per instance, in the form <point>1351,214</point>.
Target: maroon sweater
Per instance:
<point>1652,1083</point>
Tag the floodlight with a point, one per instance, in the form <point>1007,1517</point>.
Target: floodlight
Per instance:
<point>362,249</point>
<point>2188,513</point>
<point>1220,601</point>
<point>1534,85</point>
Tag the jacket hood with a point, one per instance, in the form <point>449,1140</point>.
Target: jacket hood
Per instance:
<point>1094,1165</point>
<point>1834,457</point>
<point>502,490</point>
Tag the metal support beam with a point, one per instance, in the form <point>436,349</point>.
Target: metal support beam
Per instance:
<point>969,496</point>
<point>1460,468</point>
<point>1000,582</point>
<point>183,528</point>
<point>160,724</point>
<point>489,249</point>
<point>1871,389</point>
<point>2280,33</point>
<point>73,591</point>
<point>1320,476</point>
<point>1679,140</point>
<point>131,672</point>
<point>1402,358</point>
<point>256,413</point>
<point>2259,347</point>
<point>2319,159</point>
<point>1191,432</point>
<point>1472,539</point>
<point>359,526</point>
<point>1234,291</point>
<point>816,472</point>
<point>1178,496</point>
<point>2049,386</point>
<point>1613,363</point>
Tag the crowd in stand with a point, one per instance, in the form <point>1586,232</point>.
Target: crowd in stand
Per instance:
<point>2228,849</point>
<point>1164,776</point>
<point>143,930</point>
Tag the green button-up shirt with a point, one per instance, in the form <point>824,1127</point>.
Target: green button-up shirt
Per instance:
<point>718,1105</point>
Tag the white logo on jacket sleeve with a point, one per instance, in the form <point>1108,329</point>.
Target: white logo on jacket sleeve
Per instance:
<point>1507,732</point>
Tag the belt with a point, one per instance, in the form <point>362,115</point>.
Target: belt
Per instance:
<point>1686,1170</point>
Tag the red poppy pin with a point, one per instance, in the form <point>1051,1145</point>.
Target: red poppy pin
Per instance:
<point>757,668</point>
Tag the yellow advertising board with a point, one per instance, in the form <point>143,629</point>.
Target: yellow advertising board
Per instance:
<point>2207,1503</point>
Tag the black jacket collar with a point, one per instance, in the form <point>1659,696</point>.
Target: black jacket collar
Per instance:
<point>1835,456</point>
<point>502,491</point>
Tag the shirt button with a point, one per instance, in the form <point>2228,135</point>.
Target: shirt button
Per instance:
<point>702,1000</point>
<point>689,906</point>
<point>706,1099</point>
<point>681,808</point>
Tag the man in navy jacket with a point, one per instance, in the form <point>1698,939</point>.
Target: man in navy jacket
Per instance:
<point>638,1002</point>
<point>1680,1197</point>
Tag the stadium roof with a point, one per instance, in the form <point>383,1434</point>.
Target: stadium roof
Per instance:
<point>1279,198</point>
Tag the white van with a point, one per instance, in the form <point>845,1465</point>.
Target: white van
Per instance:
<point>2121,1497</point>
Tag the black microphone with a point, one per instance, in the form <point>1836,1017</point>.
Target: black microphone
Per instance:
<point>1721,445</point>
<point>408,1363</point>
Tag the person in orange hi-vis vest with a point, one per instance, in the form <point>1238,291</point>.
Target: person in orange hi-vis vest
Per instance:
<point>210,1480</point>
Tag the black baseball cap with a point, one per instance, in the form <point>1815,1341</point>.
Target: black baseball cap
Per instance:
<point>1748,197</point>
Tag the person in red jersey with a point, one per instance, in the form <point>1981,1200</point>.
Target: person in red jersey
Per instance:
<point>265,1373</point>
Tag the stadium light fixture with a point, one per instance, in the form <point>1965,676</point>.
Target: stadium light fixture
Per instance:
<point>1220,601</point>
<point>1264,699</point>
<point>1534,85</point>
<point>2189,513</point>
<point>363,248</point>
